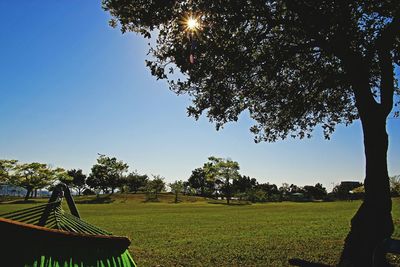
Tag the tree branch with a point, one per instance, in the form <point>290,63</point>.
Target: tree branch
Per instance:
<point>384,46</point>
<point>387,80</point>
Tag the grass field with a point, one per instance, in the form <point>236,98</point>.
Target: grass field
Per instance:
<point>197,233</point>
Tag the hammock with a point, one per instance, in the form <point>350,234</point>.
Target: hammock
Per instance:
<point>46,236</point>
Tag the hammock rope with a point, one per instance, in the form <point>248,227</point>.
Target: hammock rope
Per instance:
<point>52,237</point>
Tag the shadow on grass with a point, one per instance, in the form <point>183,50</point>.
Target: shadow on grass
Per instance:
<point>21,202</point>
<point>304,263</point>
<point>96,200</point>
<point>151,200</point>
<point>245,203</point>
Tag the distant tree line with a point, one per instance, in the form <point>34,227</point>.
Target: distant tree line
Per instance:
<point>30,176</point>
<point>218,178</point>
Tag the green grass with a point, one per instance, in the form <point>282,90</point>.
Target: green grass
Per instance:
<point>197,233</point>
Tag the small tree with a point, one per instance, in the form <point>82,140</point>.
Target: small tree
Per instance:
<point>155,186</point>
<point>224,170</point>
<point>96,181</point>
<point>342,191</point>
<point>271,191</point>
<point>315,192</point>
<point>78,179</point>
<point>242,185</point>
<point>198,181</point>
<point>136,182</point>
<point>176,188</point>
<point>107,173</point>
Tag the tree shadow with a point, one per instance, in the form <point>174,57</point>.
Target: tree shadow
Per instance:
<point>151,200</point>
<point>21,202</point>
<point>96,200</point>
<point>230,204</point>
<point>304,263</point>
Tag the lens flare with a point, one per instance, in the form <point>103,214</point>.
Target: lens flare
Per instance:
<point>192,24</point>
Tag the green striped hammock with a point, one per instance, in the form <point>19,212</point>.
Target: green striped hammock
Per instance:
<point>47,236</point>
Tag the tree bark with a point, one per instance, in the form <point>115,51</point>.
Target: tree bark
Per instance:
<point>228,195</point>
<point>373,221</point>
<point>28,192</point>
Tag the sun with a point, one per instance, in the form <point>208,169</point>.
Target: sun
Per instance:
<point>192,23</point>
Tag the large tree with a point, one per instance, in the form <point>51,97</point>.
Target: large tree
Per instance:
<point>293,65</point>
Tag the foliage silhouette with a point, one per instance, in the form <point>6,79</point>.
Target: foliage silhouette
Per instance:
<point>293,65</point>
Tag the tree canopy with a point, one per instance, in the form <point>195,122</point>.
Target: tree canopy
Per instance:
<point>136,182</point>
<point>6,169</point>
<point>292,64</point>
<point>223,171</point>
<point>107,173</point>
<point>35,176</point>
<point>78,179</point>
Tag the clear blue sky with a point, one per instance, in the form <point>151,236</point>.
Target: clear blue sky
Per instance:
<point>72,87</point>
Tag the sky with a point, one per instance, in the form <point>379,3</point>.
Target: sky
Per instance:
<point>72,87</point>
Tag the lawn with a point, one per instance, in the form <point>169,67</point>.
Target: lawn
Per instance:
<point>197,233</point>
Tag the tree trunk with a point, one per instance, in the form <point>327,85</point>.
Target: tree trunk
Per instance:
<point>228,192</point>
<point>373,221</point>
<point>28,192</point>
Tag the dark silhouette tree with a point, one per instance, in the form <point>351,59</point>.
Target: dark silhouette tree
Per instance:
<point>78,179</point>
<point>315,192</point>
<point>293,65</point>
<point>136,182</point>
<point>243,184</point>
<point>107,173</point>
<point>198,181</point>
<point>342,191</point>
<point>284,191</point>
<point>271,191</point>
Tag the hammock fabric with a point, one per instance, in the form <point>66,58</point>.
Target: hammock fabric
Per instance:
<point>46,236</point>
